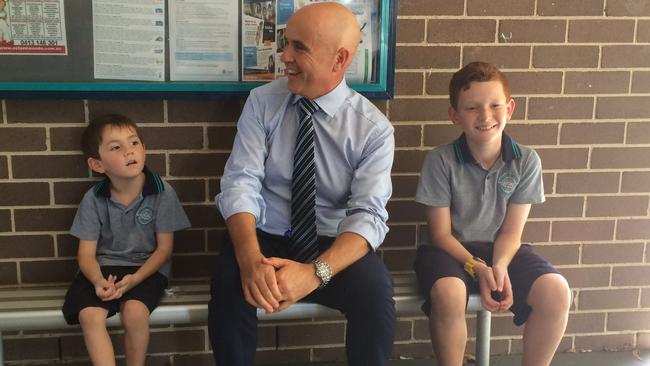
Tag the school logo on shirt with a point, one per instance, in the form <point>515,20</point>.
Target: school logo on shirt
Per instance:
<point>507,183</point>
<point>144,215</point>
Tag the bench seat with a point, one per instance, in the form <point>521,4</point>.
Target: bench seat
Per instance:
<point>39,308</point>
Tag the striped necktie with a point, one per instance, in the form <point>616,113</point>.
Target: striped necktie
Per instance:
<point>303,189</point>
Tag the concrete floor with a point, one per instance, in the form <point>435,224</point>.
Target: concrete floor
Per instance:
<point>628,358</point>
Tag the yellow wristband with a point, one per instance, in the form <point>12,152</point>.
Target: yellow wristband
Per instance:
<point>469,266</point>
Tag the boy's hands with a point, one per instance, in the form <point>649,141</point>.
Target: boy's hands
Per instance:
<point>494,279</point>
<point>125,284</point>
<point>105,288</point>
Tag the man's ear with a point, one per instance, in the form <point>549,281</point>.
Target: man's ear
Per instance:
<point>342,60</point>
<point>96,165</point>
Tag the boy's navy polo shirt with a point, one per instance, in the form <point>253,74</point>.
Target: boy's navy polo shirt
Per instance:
<point>126,236</point>
<point>478,198</point>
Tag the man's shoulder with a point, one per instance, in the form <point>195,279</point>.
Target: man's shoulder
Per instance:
<point>367,110</point>
<point>275,87</point>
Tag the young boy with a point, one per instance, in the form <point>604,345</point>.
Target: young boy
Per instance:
<point>478,191</point>
<point>125,225</point>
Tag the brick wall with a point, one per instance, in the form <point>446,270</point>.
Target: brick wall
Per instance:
<point>580,73</point>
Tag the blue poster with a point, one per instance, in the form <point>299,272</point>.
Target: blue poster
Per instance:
<point>285,9</point>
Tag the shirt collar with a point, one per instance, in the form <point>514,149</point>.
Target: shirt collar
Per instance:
<point>510,150</point>
<point>330,102</point>
<point>153,184</point>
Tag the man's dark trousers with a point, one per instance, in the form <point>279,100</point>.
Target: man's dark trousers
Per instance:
<point>363,292</point>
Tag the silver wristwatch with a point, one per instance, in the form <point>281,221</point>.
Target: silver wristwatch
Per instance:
<point>323,271</point>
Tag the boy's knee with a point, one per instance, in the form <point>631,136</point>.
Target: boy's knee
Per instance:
<point>550,293</point>
<point>448,296</point>
<point>92,316</point>
<point>134,312</point>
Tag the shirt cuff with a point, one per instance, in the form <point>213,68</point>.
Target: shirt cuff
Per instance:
<point>370,227</point>
<point>241,202</point>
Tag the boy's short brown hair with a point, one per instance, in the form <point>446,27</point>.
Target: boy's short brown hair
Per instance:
<point>475,71</point>
<point>92,135</point>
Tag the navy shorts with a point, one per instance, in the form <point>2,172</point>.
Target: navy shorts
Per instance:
<point>432,264</point>
<point>81,293</point>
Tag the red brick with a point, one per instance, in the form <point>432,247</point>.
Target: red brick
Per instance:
<point>608,342</point>
<point>410,30</point>
<point>436,135</point>
<point>583,230</point>
<point>66,138</point>
<point>602,31</point>
<point>537,82</point>
<point>592,82</point>
<point>533,134</point>
<point>48,271</point>
<point>408,83</point>
<point>586,323</point>
<point>629,229</point>
<point>4,168</point>
<point>635,182</point>
<point>408,135</point>
<point>608,299</point>
<point>197,165</point>
<point>45,111</point>
<point>437,83</point>
<point>559,254</point>
<point>66,246</point>
<point>140,111</point>
<point>405,211</point>
<point>505,57</point>
<point>189,241</point>
<point>26,246</point>
<point>560,108</point>
<point>606,182</point>
<point>620,157</point>
<point>558,207</point>
<point>592,133</point>
<point>408,161</point>
<point>45,219</point>
<point>311,334</point>
<point>601,206</point>
<point>503,326</point>
<point>638,133</point>
<point>22,139</point>
<point>643,31</point>
<point>627,8</point>
<point>612,253</point>
<point>632,320</point>
<point>21,349</point>
<point>461,30</point>
<point>71,192</point>
<point>574,7</point>
<point>404,186</point>
<point>400,236</point>
<point>193,266</point>
<point>640,81</point>
<point>430,7</point>
<point>631,275</point>
<point>563,158</point>
<point>5,221</point>
<point>172,138</point>
<point>49,166</point>
<point>549,183</point>
<point>24,194</point>
<point>625,56</point>
<point>8,273</point>
<point>190,190</point>
<point>177,341</point>
<point>419,110</point>
<point>622,107</point>
<point>427,57</point>
<point>500,7</point>
<point>536,231</point>
<point>645,298</point>
<point>399,260</point>
<point>204,215</point>
<point>565,56</point>
<point>532,31</point>
<point>221,137</point>
<point>225,110</point>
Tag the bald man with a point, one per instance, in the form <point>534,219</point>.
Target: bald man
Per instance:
<point>284,249</point>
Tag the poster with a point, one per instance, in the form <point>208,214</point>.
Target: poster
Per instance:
<point>32,27</point>
<point>203,40</point>
<point>129,39</point>
<point>263,25</point>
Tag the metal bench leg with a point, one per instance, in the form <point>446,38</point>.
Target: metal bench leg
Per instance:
<point>1,355</point>
<point>483,320</point>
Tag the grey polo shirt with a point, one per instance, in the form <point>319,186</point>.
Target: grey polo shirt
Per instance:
<point>478,198</point>
<point>126,236</point>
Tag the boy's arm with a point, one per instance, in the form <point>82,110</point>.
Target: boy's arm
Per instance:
<point>89,267</point>
<point>506,244</point>
<point>160,256</point>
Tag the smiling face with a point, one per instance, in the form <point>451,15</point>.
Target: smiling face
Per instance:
<point>320,44</point>
<point>482,112</point>
<point>121,153</point>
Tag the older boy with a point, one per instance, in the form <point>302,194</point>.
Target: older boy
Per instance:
<point>126,225</point>
<point>479,190</point>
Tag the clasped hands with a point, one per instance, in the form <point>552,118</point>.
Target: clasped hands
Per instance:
<point>273,284</point>
<point>107,289</point>
<point>494,279</point>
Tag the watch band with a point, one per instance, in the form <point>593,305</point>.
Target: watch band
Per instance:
<point>323,271</point>
<point>469,266</point>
